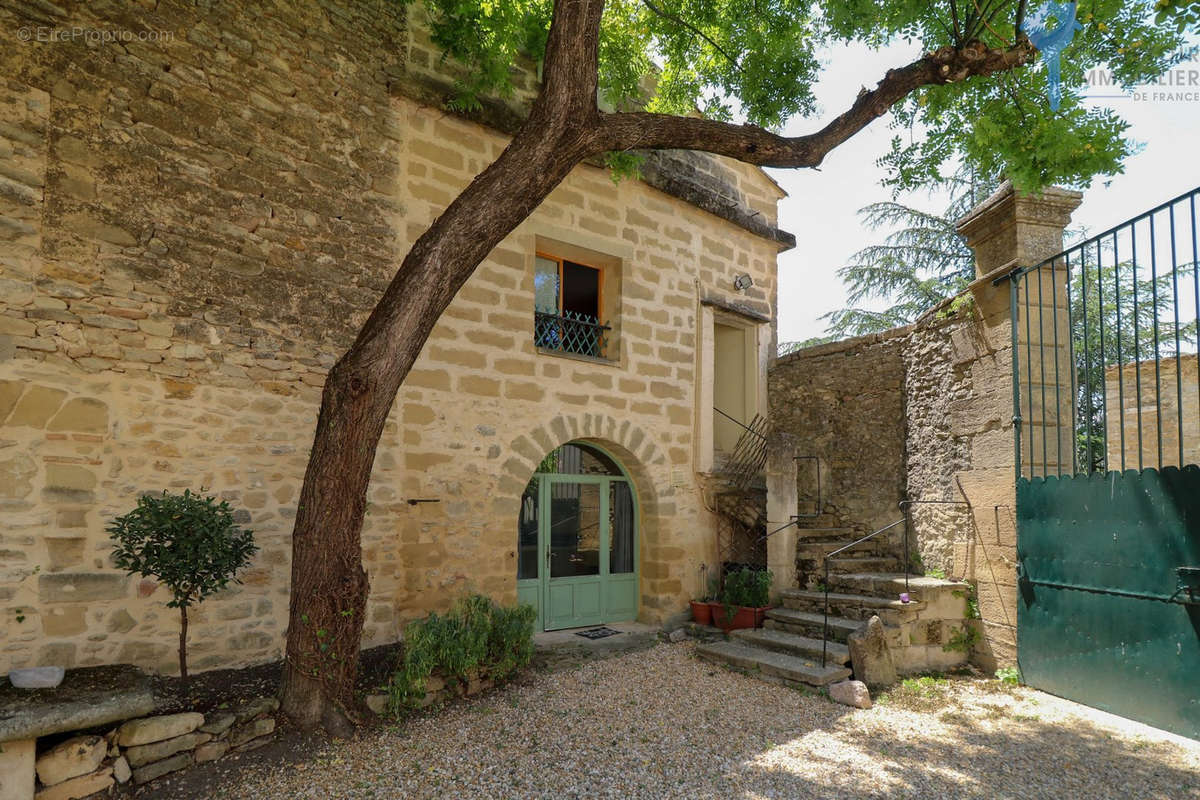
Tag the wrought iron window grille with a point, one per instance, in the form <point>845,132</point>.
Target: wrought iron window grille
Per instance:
<point>571,332</point>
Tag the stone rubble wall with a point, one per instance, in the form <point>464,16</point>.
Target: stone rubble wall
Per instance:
<point>843,403</point>
<point>191,232</point>
<point>142,750</point>
<point>955,395</point>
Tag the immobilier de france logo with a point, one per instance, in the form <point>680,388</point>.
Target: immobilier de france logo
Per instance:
<point>1050,28</point>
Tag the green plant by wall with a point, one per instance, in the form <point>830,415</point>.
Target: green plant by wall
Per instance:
<point>972,599</point>
<point>476,638</point>
<point>963,640</point>
<point>746,587</point>
<point>188,543</point>
<point>1009,675</point>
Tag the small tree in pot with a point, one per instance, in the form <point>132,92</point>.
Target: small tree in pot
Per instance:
<point>186,542</point>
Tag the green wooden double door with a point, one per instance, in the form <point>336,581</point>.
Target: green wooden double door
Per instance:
<point>577,541</point>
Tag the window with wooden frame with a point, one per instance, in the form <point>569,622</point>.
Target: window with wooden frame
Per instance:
<point>569,303</point>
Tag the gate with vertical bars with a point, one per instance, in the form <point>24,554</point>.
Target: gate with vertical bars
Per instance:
<point>1106,401</point>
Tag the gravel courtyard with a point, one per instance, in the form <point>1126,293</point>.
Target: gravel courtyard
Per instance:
<point>662,724</point>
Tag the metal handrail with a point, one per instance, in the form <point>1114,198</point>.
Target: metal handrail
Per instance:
<point>904,506</point>
<point>825,629</point>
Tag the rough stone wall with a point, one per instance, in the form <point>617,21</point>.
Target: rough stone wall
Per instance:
<point>844,404</point>
<point>938,393</point>
<point>191,230</point>
<point>913,414</point>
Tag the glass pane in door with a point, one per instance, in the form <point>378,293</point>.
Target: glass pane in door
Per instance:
<point>620,526</point>
<point>574,529</point>
<point>527,533</point>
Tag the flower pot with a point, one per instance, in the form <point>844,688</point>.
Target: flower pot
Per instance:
<point>701,612</point>
<point>743,617</point>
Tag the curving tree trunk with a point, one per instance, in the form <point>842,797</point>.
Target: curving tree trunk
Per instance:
<point>329,585</point>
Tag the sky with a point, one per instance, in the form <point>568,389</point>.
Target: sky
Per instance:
<point>822,205</point>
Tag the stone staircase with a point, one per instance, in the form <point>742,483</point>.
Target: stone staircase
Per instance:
<point>863,582</point>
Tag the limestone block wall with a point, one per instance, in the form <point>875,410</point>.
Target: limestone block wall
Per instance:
<point>191,230</point>
<point>1174,399</point>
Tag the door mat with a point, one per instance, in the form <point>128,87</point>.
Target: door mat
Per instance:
<point>597,633</point>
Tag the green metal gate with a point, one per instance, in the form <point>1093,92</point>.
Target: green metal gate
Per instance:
<point>1100,617</point>
<point>1107,411</point>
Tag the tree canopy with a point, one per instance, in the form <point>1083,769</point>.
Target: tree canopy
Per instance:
<point>757,60</point>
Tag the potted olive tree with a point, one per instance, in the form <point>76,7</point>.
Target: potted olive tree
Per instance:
<point>743,600</point>
<point>188,543</point>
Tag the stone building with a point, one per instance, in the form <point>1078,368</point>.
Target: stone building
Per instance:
<point>199,205</point>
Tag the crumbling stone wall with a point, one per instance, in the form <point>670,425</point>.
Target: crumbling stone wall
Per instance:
<point>192,228</point>
<point>938,392</point>
<point>844,404</point>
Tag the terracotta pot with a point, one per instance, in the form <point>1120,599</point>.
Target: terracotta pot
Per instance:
<point>701,612</point>
<point>743,617</point>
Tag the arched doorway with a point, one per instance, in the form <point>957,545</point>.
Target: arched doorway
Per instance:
<point>577,539</point>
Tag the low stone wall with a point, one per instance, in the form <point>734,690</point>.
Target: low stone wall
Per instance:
<point>141,750</point>
<point>436,691</point>
<point>1169,406</point>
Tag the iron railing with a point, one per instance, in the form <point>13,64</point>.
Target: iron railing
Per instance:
<point>741,503</point>
<point>906,520</point>
<point>844,548</point>
<point>1105,341</point>
<point>570,332</point>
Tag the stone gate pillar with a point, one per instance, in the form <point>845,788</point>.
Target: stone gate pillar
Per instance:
<point>1006,231</point>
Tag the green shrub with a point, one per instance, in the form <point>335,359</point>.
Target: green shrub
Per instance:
<point>188,543</point>
<point>963,640</point>
<point>476,638</point>
<point>747,587</point>
<point>1009,675</point>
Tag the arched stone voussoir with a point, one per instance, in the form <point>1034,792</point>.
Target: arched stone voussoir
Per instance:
<point>632,444</point>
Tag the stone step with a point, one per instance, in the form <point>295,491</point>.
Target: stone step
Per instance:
<point>792,644</point>
<point>891,584</point>
<point>807,623</point>
<point>770,664</point>
<point>862,564</point>
<point>817,533</point>
<point>849,606</point>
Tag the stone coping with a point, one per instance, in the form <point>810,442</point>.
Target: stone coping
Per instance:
<point>85,699</point>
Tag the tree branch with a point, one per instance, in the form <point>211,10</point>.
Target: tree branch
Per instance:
<point>570,72</point>
<point>755,145</point>
<point>958,37</point>
<point>695,30</point>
